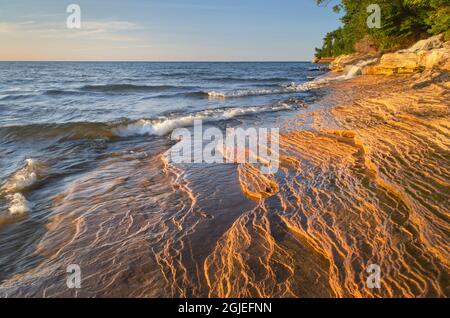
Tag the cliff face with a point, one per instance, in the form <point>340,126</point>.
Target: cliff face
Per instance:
<point>428,54</point>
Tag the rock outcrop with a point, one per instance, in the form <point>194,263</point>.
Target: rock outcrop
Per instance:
<point>343,62</point>
<point>434,42</point>
<point>426,54</point>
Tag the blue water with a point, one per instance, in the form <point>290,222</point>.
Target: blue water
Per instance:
<point>101,92</point>
<point>43,104</point>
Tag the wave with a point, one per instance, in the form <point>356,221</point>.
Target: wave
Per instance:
<point>218,94</point>
<point>24,178</point>
<point>11,97</point>
<point>56,92</point>
<point>163,126</point>
<point>18,204</point>
<point>130,88</point>
<point>284,89</point>
<point>70,131</point>
<point>20,181</point>
<point>179,74</point>
<point>292,87</point>
<point>247,79</point>
<point>114,88</point>
<point>197,94</point>
<point>130,127</point>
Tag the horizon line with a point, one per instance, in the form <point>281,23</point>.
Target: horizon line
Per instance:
<point>156,61</point>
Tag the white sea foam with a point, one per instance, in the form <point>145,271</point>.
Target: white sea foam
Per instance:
<point>158,127</point>
<point>24,178</point>
<point>284,89</point>
<point>163,126</point>
<point>18,204</point>
<point>290,88</point>
<point>351,72</point>
<point>21,180</point>
<point>355,70</point>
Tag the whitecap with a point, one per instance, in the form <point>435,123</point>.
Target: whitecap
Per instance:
<point>18,204</point>
<point>163,126</point>
<point>24,178</point>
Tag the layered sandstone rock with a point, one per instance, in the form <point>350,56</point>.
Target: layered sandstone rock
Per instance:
<point>437,58</point>
<point>343,62</point>
<point>431,53</point>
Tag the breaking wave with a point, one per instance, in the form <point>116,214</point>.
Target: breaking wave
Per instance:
<point>290,88</point>
<point>163,126</point>
<point>20,181</point>
<point>285,88</point>
<point>24,178</point>
<point>232,79</point>
<point>129,127</point>
<point>18,204</point>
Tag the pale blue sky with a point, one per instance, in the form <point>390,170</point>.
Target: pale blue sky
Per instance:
<point>165,30</point>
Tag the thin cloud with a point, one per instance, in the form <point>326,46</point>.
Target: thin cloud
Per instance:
<point>101,30</point>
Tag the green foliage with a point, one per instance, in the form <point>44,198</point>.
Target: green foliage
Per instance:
<point>402,23</point>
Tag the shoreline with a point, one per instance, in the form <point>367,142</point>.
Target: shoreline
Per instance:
<point>363,180</point>
<point>385,142</point>
<point>365,185</point>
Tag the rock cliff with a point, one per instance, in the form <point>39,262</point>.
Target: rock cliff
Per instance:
<point>428,54</point>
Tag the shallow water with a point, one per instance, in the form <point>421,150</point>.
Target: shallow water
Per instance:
<point>86,180</point>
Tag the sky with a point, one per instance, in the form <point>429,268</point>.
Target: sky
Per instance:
<point>164,30</point>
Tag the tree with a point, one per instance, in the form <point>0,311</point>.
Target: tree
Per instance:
<point>402,23</point>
